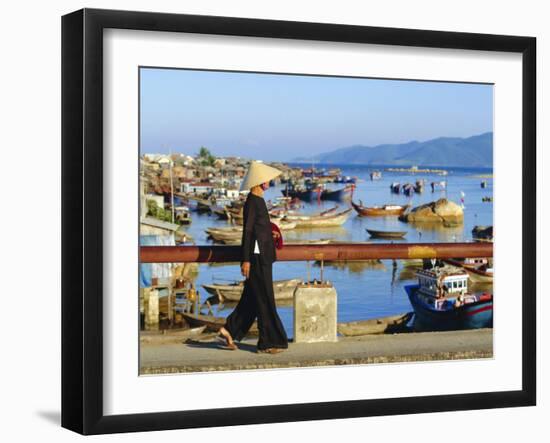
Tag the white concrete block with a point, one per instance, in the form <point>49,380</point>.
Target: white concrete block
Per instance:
<point>315,313</point>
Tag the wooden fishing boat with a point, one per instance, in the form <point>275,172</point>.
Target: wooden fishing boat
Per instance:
<point>170,335</point>
<point>220,211</point>
<point>282,289</point>
<point>408,189</point>
<point>338,194</point>
<point>386,325</point>
<point>213,324</point>
<point>321,221</point>
<point>300,193</point>
<point>479,270</point>
<point>376,175</point>
<point>320,241</point>
<point>441,301</point>
<point>379,211</point>
<point>482,233</point>
<point>319,192</point>
<point>480,275</point>
<point>295,217</point>
<point>204,205</point>
<point>236,232</point>
<point>182,215</point>
<point>395,188</point>
<point>386,234</point>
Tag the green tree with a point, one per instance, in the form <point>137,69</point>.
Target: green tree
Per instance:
<point>205,157</point>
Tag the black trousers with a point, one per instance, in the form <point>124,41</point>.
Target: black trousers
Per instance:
<point>258,301</point>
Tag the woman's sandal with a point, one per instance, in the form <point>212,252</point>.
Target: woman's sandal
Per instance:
<point>231,346</point>
<point>270,351</point>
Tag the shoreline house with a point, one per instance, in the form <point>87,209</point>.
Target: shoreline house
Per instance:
<point>197,187</point>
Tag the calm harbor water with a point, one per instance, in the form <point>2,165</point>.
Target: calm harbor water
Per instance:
<point>364,290</point>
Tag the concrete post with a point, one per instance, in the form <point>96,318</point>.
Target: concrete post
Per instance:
<point>151,308</point>
<point>315,313</point>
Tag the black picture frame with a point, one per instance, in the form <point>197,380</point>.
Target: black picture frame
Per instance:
<point>82,215</point>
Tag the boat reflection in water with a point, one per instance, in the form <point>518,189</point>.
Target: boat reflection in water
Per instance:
<point>355,266</point>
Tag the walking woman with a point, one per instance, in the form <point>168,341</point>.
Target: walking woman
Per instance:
<point>258,255</point>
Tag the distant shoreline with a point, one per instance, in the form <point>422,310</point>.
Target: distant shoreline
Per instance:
<point>482,169</point>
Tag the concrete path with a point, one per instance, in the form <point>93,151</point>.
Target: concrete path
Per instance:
<point>207,354</point>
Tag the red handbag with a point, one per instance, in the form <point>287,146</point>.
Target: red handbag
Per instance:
<point>279,240</point>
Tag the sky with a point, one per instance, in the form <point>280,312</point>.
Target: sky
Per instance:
<point>281,117</point>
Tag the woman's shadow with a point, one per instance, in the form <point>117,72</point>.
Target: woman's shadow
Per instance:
<point>218,344</point>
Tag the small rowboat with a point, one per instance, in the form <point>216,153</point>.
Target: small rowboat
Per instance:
<point>386,234</point>
<point>282,289</point>
<point>213,324</point>
<point>386,210</point>
<point>386,325</point>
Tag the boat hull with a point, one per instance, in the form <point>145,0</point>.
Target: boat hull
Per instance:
<point>211,323</point>
<point>319,194</point>
<point>386,234</point>
<point>365,211</point>
<point>324,221</point>
<point>387,325</point>
<point>282,289</point>
<point>469,316</point>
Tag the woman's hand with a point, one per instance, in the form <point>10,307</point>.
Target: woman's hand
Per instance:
<point>245,269</point>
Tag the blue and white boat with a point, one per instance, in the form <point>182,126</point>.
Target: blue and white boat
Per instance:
<point>441,301</point>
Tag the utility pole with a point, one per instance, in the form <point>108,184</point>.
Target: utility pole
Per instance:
<point>171,187</point>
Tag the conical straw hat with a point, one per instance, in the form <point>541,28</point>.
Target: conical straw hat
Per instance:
<point>257,174</point>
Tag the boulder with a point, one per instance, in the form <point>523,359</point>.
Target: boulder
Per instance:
<point>440,211</point>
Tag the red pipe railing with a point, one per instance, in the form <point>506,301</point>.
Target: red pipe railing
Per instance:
<point>340,252</point>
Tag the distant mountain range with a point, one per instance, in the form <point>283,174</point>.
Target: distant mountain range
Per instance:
<point>470,152</point>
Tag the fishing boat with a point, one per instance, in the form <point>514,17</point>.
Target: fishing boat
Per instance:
<point>385,210</point>
<point>182,215</point>
<point>324,220</point>
<point>408,189</point>
<point>317,241</point>
<point>338,194</point>
<point>221,234</point>
<point>386,234</point>
<point>220,211</point>
<point>299,193</point>
<point>441,301</point>
<point>213,324</point>
<point>316,191</point>
<point>236,232</point>
<point>395,188</point>
<point>386,325</point>
<point>203,205</point>
<point>376,175</point>
<point>482,233</point>
<point>282,289</point>
<point>345,179</point>
<point>480,275</point>
<point>479,270</point>
<point>441,185</point>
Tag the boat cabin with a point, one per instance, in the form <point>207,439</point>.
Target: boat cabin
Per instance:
<point>443,282</point>
<point>475,261</point>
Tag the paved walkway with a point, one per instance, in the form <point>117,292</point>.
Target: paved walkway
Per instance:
<point>207,355</point>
